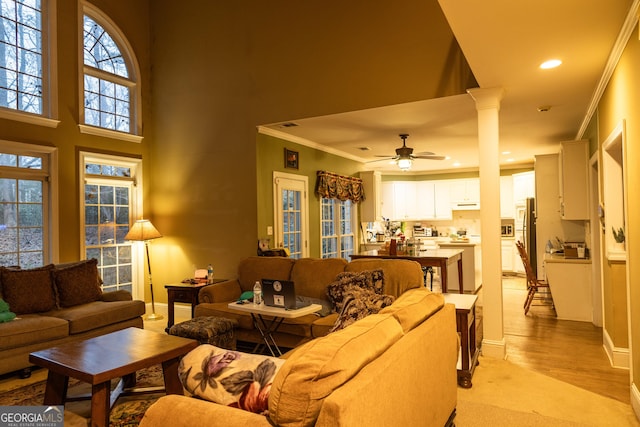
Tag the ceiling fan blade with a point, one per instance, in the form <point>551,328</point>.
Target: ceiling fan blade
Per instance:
<point>430,157</point>
<point>379,160</point>
<point>425,153</point>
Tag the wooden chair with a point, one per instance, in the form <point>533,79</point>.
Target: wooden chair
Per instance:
<point>533,283</point>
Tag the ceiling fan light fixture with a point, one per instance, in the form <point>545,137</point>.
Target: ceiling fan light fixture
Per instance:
<point>404,164</point>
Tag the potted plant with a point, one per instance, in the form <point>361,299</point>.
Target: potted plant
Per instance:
<point>618,236</point>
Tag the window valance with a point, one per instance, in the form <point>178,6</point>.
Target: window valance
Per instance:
<point>332,186</point>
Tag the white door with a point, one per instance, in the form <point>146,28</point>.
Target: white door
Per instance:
<point>291,213</point>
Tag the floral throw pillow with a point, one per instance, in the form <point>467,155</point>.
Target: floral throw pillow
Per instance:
<point>348,282</point>
<point>231,378</point>
<point>360,304</point>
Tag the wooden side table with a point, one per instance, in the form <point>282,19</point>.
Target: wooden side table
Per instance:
<point>183,292</point>
<point>466,326</point>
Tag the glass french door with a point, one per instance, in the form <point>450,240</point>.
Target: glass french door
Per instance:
<point>291,213</point>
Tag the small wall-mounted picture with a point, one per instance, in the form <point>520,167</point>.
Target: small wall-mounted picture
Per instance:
<point>290,159</point>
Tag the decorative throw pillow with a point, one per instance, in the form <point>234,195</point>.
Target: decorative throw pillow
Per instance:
<point>360,304</point>
<point>348,281</point>
<point>78,283</point>
<point>231,378</point>
<point>29,290</point>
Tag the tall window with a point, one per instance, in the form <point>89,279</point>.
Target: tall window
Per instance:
<point>110,201</point>
<point>24,206</point>
<point>337,228</point>
<point>110,89</point>
<point>21,55</point>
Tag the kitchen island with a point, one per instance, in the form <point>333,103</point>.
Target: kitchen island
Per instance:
<point>440,258</point>
<point>570,284</point>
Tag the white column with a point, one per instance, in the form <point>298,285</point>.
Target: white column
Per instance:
<point>488,107</point>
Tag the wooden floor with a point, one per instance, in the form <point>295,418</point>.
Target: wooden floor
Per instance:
<point>566,350</point>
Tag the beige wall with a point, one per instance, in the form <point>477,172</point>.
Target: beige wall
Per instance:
<point>620,101</point>
<point>222,68</point>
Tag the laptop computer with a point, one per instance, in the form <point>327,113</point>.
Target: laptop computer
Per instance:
<point>281,293</point>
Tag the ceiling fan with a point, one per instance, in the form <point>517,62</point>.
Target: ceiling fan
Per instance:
<point>404,155</point>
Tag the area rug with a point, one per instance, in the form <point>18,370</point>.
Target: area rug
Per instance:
<point>127,411</point>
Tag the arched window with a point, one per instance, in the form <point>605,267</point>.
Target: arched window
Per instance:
<point>110,73</point>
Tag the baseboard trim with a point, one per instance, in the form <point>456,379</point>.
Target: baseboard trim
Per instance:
<point>635,400</point>
<point>493,348</point>
<point>618,356</point>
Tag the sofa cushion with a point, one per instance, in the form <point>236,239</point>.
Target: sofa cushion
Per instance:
<point>320,366</point>
<point>78,283</point>
<point>228,377</point>
<point>311,276</point>
<point>359,304</point>
<point>348,283</point>
<point>414,306</point>
<point>399,274</point>
<point>93,315</point>
<point>259,267</point>
<point>31,329</point>
<point>28,291</point>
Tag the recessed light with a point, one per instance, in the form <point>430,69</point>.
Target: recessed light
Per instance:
<point>364,148</point>
<point>506,152</point>
<point>511,160</point>
<point>544,108</point>
<point>288,125</point>
<point>456,164</point>
<point>552,63</point>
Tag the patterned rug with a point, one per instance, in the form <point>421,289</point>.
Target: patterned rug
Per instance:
<point>127,411</point>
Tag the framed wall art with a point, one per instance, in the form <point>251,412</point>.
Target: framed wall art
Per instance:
<point>290,159</point>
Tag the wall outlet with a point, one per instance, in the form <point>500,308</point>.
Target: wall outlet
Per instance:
<point>269,230</point>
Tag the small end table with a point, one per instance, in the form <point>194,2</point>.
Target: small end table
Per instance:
<point>183,292</point>
<point>466,327</point>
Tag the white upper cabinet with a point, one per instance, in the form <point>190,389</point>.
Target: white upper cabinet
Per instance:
<point>387,202</point>
<point>405,200</point>
<point>507,206</point>
<point>524,186</point>
<point>573,167</point>
<point>465,193</point>
<point>426,199</point>
<point>442,194</point>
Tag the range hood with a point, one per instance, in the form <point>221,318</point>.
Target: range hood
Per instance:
<point>466,205</point>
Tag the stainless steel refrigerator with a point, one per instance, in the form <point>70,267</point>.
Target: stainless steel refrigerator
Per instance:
<point>529,232</point>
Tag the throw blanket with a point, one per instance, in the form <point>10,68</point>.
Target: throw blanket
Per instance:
<point>5,314</point>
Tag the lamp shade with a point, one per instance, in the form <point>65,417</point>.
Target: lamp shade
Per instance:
<point>142,230</point>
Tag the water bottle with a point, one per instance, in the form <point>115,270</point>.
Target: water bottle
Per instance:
<point>210,273</point>
<point>257,293</point>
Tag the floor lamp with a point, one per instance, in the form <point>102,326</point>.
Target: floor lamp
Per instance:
<point>143,231</point>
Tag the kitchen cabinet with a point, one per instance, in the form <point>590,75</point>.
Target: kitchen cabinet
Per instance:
<point>573,167</point>
<point>465,193</point>
<point>570,284</point>
<point>507,206</point>
<point>442,194</point>
<point>524,186</point>
<point>507,249</point>
<point>417,200</point>
<point>371,207</point>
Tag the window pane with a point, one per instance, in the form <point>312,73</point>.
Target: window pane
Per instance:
<point>21,56</point>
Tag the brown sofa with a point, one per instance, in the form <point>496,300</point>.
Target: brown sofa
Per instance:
<point>311,277</point>
<point>56,304</point>
<point>394,368</point>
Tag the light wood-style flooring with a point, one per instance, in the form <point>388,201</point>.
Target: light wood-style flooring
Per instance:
<point>569,351</point>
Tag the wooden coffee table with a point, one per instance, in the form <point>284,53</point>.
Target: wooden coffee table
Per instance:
<point>116,355</point>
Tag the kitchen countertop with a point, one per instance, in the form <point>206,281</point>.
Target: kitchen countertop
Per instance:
<point>560,258</point>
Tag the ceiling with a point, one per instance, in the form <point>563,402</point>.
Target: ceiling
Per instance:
<point>504,42</point>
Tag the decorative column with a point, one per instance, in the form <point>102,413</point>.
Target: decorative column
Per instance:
<point>488,107</point>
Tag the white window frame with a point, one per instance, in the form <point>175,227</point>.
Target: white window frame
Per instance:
<point>337,219</point>
<point>49,116</point>
<point>133,81</point>
<point>138,259</point>
<point>50,236</point>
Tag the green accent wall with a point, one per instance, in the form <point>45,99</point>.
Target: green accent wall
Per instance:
<point>270,158</point>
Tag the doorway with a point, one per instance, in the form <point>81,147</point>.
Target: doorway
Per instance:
<point>291,213</point>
